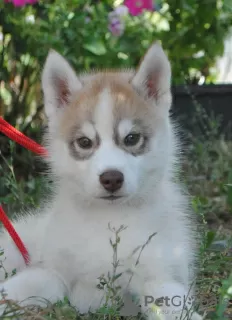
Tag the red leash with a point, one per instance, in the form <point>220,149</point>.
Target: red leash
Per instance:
<point>31,145</point>
<point>14,235</point>
<point>20,138</point>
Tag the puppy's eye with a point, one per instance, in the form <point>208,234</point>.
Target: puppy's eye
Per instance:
<point>84,143</point>
<point>132,139</point>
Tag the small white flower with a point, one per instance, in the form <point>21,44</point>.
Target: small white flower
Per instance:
<point>30,18</point>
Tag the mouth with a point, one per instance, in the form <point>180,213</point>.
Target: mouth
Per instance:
<point>111,197</point>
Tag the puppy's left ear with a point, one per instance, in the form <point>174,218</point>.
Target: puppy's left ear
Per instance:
<point>153,77</point>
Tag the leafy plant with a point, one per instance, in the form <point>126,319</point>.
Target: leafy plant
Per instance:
<point>192,33</point>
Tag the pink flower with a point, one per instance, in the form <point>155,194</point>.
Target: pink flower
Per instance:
<point>18,3</point>
<point>136,7</point>
<point>31,1</point>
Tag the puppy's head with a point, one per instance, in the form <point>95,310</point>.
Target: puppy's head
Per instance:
<point>109,132</point>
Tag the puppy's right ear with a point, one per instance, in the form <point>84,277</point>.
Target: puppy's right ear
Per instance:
<point>59,82</point>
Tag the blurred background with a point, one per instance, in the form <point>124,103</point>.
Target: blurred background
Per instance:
<point>109,34</point>
<point>196,35</point>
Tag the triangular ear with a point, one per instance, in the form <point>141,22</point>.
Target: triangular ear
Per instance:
<point>59,81</point>
<point>153,77</point>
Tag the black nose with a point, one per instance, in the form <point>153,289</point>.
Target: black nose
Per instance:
<point>111,180</point>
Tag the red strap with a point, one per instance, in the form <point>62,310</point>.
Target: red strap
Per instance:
<point>20,138</point>
<point>9,227</point>
<point>31,145</point>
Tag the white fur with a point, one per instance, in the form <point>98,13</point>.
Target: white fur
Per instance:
<point>156,67</point>
<point>68,239</point>
<point>57,68</point>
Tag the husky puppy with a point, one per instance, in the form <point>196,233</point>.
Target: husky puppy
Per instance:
<point>113,155</point>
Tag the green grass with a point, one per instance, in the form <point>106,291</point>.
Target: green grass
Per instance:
<point>208,174</point>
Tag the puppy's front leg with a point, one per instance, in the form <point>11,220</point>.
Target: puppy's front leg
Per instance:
<point>169,301</point>
<point>38,284</point>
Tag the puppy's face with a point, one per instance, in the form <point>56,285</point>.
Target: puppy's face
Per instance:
<point>109,132</point>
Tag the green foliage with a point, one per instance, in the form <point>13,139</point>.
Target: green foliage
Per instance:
<point>15,191</point>
<point>225,298</point>
<point>229,191</point>
<point>78,29</point>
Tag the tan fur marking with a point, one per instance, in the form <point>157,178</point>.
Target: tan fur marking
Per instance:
<point>127,103</point>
